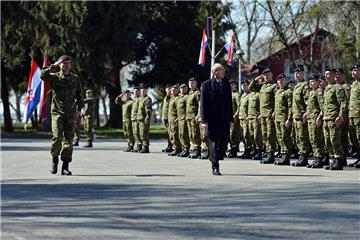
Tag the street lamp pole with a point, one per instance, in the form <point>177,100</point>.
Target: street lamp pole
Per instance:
<point>239,53</point>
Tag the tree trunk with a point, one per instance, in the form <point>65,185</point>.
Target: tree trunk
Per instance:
<point>18,112</point>
<point>114,89</point>
<point>97,114</point>
<point>8,127</point>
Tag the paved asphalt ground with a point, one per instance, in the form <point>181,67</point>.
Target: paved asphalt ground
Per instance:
<point>118,195</point>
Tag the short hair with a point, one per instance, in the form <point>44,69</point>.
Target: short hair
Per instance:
<point>215,67</point>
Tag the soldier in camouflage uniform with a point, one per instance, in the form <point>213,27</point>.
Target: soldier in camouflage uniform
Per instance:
<point>124,100</point>
<point>205,153</point>
<point>333,111</point>
<point>354,113</point>
<point>88,113</point>
<point>253,118</point>
<point>314,121</point>
<point>300,96</point>
<point>183,128</point>
<point>67,100</point>
<point>144,117</point>
<point>165,115</point>
<point>283,118</point>
<point>173,121</point>
<point>340,79</point>
<point>242,114</point>
<point>267,105</point>
<point>134,122</point>
<point>235,128</point>
<point>192,110</point>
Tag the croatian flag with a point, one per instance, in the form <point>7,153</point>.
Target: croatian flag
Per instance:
<point>229,46</point>
<point>204,44</point>
<point>33,91</point>
<point>44,93</point>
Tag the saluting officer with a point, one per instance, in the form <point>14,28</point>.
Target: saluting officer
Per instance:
<point>126,103</point>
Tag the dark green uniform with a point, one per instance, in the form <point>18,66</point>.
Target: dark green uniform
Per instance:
<point>253,114</point>
<point>283,113</point>
<point>204,137</point>
<point>144,112</point>
<point>244,125</point>
<point>345,126</point>
<point>77,131</point>
<point>164,117</point>
<point>334,106</point>
<point>126,108</point>
<point>173,123</point>
<point>235,130</point>
<point>67,98</point>
<point>89,112</point>
<point>192,110</point>
<point>183,128</point>
<point>300,96</point>
<point>354,114</point>
<point>135,124</point>
<point>313,110</point>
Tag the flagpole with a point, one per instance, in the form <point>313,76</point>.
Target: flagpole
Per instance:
<point>212,51</point>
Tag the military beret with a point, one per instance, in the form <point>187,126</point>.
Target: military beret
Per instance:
<point>355,66</point>
<point>88,91</point>
<point>136,87</point>
<point>314,77</point>
<point>232,81</point>
<point>167,86</point>
<point>322,77</point>
<point>299,69</point>
<point>266,70</point>
<point>64,58</point>
<point>330,69</point>
<point>192,79</point>
<point>175,85</point>
<point>281,75</point>
<point>143,86</point>
<point>244,81</point>
<point>127,91</point>
<point>339,70</point>
<point>183,85</point>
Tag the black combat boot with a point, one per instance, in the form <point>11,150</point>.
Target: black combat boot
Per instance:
<point>216,172</point>
<point>54,165</point>
<point>232,153</point>
<point>175,152</point>
<point>258,155</point>
<point>76,142</point>
<point>302,162</point>
<point>343,160</point>
<point>285,161</point>
<point>88,144</point>
<point>129,149</point>
<point>195,153</point>
<point>270,158</point>
<point>185,153</point>
<point>356,164</point>
<point>326,160</point>
<point>317,163</point>
<point>246,154</point>
<point>138,148</point>
<point>205,154</point>
<point>337,165</point>
<point>65,169</point>
<point>145,149</point>
<point>168,149</point>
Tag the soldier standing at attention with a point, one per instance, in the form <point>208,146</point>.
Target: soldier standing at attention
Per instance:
<point>88,114</point>
<point>244,124</point>
<point>205,153</point>
<point>165,115</point>
<point>235,128</point>
<point>300,96</point>
<point>354,113</point>
<point>183,129</point>
<point>340,79</point>
<point>283,118</point>
<point>173,121</point>
<point>135,124</point>
<point>67,100</point>
<point>143,117</point>
<point>334,109</point>
<point>192,109</point>
<point>124,100</point>
<point>267,105</point>
<point>314,121</point>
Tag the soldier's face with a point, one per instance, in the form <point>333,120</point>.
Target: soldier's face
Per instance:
<point>143,92</point>
<point>233,87</point>
<point>356,73</point>
<point>330,76</point>
<point>89,95</point>
<point>192,85</point>
<point>299,76</point>
<point>323,84</point>
<point>65,66</point>
<point>314,84</point>
<point>174,91</point>
<point>183,90</point>
<point>339,77</point>
<point>168,91</point>
<point>136,92</point>
<point>245,88</point>
<point>281,82</point>
<point>268,76</point>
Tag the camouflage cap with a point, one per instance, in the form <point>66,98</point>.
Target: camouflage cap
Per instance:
<point>64,58</point>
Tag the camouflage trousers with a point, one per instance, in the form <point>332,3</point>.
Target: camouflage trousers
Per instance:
<point>184,135</point>
<point>354,129</point>
<point>194,134</point>
<point>235,135</point>
<point>136,132</point>
<point>268,133</point>
<point>283,135</point>
<point>302,136</point>
<point>255,133</point>
<point>63,127</point>
<point>88,126</point>
<point>316,138</point>
<point>144,133</point>
<point>128,133</point>
<point>167,132</point>
<point>204,138</point>
<point>174,135</point>
<point>77,128</point>
<point>244,127</point>
<point>332,136</point>
<point>344,135</point>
